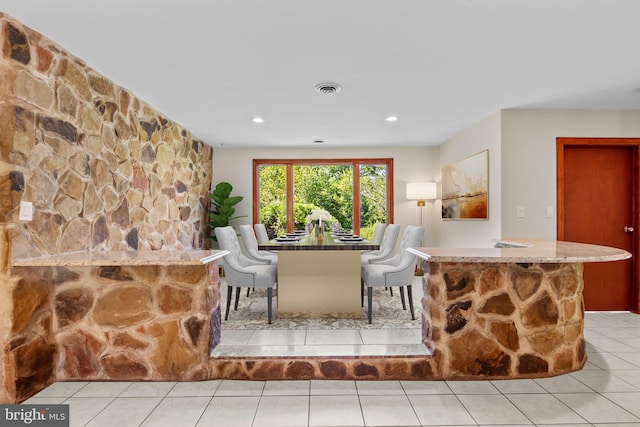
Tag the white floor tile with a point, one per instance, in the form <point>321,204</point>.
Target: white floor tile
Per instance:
<point>544,409</point>
<point>615,332</point>
<point>103,389</point>
<point>177,411</point>
<point>616,425</point>
<point>492,409</point>
<point>148,389</point>
<point>341,411</point>
<point>519,425</point>
<point>230,412</point>
<point>240,388</point>
<point>388,336</point>
<point>565,425</point>
<point>589,365</point>
<point>282,411</point>
<point>631,357</point>
<point>633,343</point>
<point>84,409</point>
<point>425,387</point>
<point>333,388</point>
<point>195,388</point>
<point>125,412</point>
<point>440,410</point>
<point>632,377</point>
<point>269,337</point>
<point>518,386</point>
<point>609,361</point>
<point>236,336</point>
<point>472,387</point>
<point>597,409</point>
<point>286,388</point>
<point>609,344</point>
<point>333,337</point>
<point>377,388</point>
<point>603,381</point>
<point>629,401</point>
<point>62,389</point>
<point>53,400</point>
<point>562,384</point>
<point>388,411</point>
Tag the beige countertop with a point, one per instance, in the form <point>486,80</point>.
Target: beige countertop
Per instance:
<point>115,258</point>
<point>525,251</point>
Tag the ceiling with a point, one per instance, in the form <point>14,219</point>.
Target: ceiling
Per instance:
<point>439,65</point>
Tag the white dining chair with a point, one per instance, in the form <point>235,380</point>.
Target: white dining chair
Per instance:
<point>396,271</point>
<point>250,244</point>
<point>378,234</point>
<point>261,233</point>
<point>387,246</point>
<point>242,272</point>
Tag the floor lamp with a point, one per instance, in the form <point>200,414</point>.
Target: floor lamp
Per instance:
<point>421,191</point>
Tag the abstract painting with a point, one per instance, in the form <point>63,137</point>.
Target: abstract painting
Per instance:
<point>465,188</point>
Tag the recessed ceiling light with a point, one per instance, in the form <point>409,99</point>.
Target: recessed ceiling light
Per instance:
<point>327,88</point>
<point>391,119</point>
<point>257,119</point>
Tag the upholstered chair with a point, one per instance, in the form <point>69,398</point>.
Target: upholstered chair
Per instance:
<point>242,272</point>
<point>261,233</point>
<point>378,234</point>
<point>396,271</point>
<point>250,244</point>
<point>387,246</point>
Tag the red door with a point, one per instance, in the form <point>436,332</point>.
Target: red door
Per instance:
<point>597,206</point>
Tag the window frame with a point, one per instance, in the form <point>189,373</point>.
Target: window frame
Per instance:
<point>354,162</point>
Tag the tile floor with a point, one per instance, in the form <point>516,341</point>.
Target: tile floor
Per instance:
<point>320,342</point>
<point>605,393</point>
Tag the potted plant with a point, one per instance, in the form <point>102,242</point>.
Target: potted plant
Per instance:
<point>222,207</point>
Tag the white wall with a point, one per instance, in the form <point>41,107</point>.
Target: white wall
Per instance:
<point>475,233</point>
<point>409,163</point>
<point>522,170</point>
<point>529,160</point>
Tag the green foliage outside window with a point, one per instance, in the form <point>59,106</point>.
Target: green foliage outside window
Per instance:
<point>328,187</point>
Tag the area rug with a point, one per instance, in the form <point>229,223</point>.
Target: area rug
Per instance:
<point>387,313</point>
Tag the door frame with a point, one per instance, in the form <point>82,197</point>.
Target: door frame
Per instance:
<point>634,143</point>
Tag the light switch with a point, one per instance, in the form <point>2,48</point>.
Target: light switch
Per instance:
<point>26,211</point>
<point>549,211</point>
<point>519,211</point>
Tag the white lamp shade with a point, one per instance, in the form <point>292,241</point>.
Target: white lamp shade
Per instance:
<point>421,190</point>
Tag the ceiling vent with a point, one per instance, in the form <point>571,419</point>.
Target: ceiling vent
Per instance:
<point>327,88</point>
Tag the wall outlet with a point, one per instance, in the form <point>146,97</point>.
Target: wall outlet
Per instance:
<point>519,211</point>
<point>26,211</point>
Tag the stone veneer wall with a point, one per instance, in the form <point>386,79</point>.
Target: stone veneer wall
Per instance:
<point>103,169</point>
<point>503,321</point>
<point>112,323</point>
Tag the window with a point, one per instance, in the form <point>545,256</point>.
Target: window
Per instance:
<point>358,193</point>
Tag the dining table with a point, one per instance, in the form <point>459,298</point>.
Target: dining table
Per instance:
<point>319,274</point>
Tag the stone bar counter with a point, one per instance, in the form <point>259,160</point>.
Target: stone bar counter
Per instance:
<point>512,311</point>
<point>113,315</point>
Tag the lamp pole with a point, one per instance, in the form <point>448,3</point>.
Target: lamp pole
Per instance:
<point>421,191</point>
<point>421,204</point>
